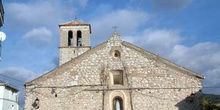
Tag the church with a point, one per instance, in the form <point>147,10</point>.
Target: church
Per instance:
<point>114,75</point>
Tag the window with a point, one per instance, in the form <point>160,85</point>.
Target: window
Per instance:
<point>13,107</point>
<point>117,103</point>
<point>70,38</point>
<point>117,76</point>
<point>16,96</point>
<point>36,103</point>
<point>79,38</point>
<point>116,54</point>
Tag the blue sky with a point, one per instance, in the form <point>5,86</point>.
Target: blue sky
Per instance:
<point>183,31</point>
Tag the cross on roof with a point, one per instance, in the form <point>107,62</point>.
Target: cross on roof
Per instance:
<point>75,18</point>
<point>115,28</point>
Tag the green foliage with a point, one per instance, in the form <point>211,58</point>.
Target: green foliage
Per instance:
<point>208,105</point>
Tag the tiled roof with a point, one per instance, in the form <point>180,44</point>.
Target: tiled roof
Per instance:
<point>2,83</point>
<point>74,23</point>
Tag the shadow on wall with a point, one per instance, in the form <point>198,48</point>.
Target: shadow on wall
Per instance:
<point>191,102</point>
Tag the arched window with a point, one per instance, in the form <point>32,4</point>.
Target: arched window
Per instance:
<point>117,103</point>
<point>79,38</point>
<point>70,38</point>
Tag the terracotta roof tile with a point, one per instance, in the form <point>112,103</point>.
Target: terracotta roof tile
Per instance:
<point>74,23</point>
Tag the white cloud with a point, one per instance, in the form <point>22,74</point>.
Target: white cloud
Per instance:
<point>202,58</point>
<point>171,4</point>
<point>11,75</point>
<point>37,13</point>
<point>21,74</point>
<point>127,21</point>
<point>83,3</point>
<point>212,80</point>
<point>164,4</point>
<point>39,37</point>
<point>157,41</point>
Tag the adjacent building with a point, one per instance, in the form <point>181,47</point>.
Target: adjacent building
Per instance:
<point>115,75</point>
<point>1,24</point>
<point>8,97</point>
<point>1,14</point>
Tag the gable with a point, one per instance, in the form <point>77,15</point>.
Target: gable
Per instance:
<point>66,66</point>
<point>160,60</point>
<point>114,54</point>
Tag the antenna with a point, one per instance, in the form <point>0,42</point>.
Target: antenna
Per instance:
<point>2,38</point>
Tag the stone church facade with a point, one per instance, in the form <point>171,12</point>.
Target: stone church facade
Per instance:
<point>115,75</point>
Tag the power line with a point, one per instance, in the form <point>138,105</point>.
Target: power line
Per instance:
<point>210,87</point>
<point>101,85</point>
<point>20,87</point>
<point>111,89</point>
<point>12,78</point>
<point>14,84</point>
<point>98,85</point>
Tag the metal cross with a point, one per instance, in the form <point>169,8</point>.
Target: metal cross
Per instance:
<point>75,18</point>
<point>115,28</point>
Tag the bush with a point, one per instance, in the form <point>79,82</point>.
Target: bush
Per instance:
<point>208,105</point>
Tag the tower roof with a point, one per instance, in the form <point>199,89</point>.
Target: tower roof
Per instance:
<point>76,23</point>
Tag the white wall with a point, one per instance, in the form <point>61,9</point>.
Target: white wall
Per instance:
<point>1,96</point>
<point>9,99</point>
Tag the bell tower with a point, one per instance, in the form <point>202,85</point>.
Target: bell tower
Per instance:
<point>74,40</point>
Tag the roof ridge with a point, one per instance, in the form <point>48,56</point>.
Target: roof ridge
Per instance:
<point>76,59</point>
<point>73,22</point>
<point>163,60</point>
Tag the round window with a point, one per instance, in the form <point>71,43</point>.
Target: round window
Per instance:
<point>117,54</point>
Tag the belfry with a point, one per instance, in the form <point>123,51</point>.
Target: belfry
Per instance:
<point>74,40</point>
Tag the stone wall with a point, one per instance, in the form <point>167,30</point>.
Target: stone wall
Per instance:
<point>68,52</point>
<point>85,83</point>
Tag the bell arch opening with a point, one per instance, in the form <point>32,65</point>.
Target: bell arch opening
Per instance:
<point>79,38</point>
<point>70,38</point>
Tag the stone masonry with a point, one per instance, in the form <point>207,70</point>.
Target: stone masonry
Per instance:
<point>68,52</point>
<point>115,68</point>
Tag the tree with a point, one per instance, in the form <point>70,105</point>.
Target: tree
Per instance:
<point>208,105</point>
